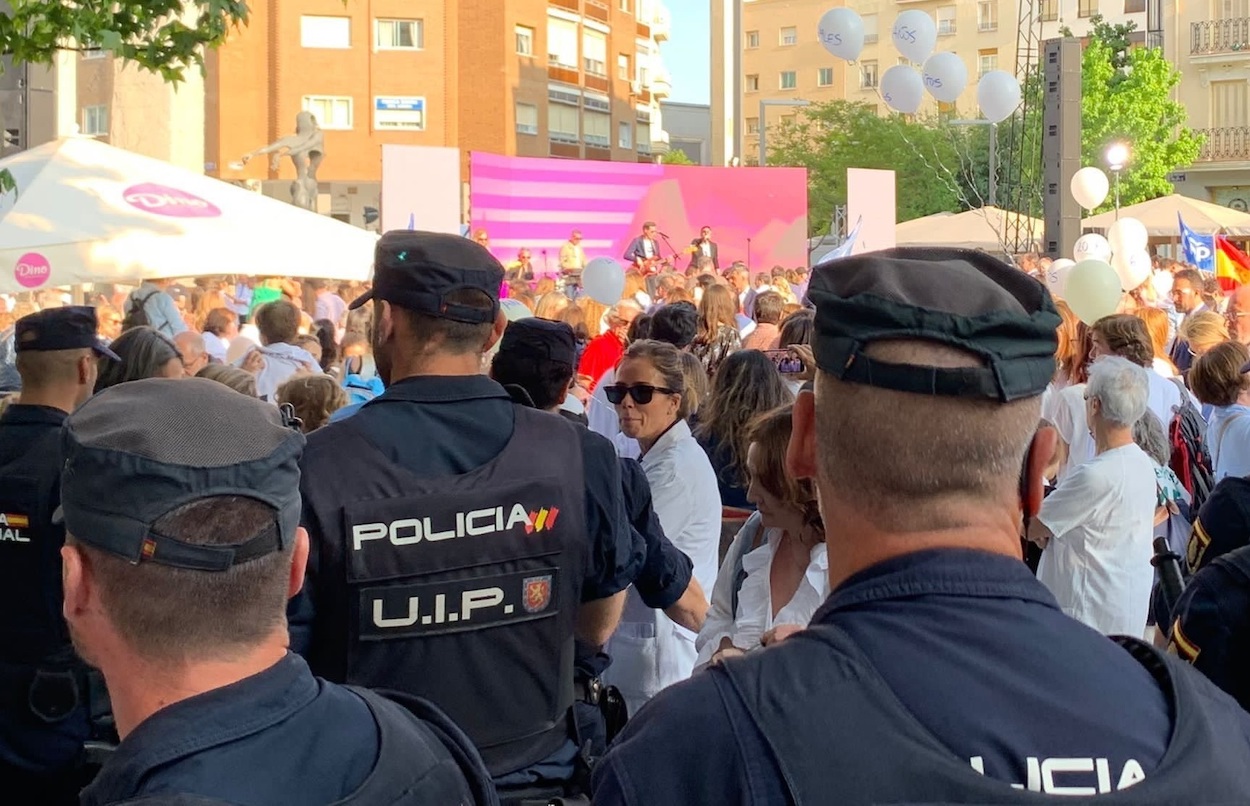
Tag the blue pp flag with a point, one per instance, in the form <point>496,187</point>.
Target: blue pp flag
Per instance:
<point>1199,250</point>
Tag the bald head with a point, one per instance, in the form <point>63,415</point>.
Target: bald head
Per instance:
<point>191,345</point>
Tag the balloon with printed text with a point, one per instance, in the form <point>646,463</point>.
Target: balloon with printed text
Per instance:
<point>945,76</point>
<point>1092,290</point>
<point>1090,187</point>
<point>902,88</point>
<point>841,32</point>
<point>915,35</point>
<point>1057,275</point>
<point>1091,246</point>
<point>604,280</point>
<point>998,95</point>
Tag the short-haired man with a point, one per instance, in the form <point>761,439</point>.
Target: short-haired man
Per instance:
<point>1187,288</point>
<point>328,304</point>
<point>1239,315</point>
<point>159,310</point>
<point>939,669</point>
<point>643,251</point>
<point>183,547</point>
<point>46,692</point>
<point>704,246</point>
<point>278,323</point>
<point>767,333</point>
<point>1097,527</point>
<point>572,260</point>
<point>191,346</point>
<point>462,542</point>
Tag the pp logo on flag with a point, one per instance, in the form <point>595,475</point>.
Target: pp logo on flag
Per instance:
<point>1199,250</point>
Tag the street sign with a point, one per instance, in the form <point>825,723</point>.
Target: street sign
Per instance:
<point>1176,177</point>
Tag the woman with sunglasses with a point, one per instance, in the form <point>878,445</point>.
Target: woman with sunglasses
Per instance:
<point>649,651</point>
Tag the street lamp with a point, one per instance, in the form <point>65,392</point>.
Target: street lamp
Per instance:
<point>992,201</point>
<point>1117,156</point>
<point>764,104</point>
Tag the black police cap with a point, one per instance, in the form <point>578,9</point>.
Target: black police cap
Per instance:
<point>137,451</point>
<point>418,271</point>
<point>956,297</point>
<point>540,338</point>
<point>70,328</point>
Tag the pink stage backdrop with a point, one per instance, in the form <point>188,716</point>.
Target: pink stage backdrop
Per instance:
<point>536,203</point>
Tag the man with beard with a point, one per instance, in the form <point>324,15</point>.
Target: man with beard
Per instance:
<point>460,543</point>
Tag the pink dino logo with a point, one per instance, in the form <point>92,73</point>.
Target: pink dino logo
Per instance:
<point>169,201</point>
<point>32,270</point>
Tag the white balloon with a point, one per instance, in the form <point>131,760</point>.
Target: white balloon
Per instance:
<point>1162,281</point>
<point>914,34</point>
<point>842,33</point>
<point>945,76</point>
<point>1091,246</point>
<point>604,280</point>
<point>998,95</point>
<point>902,88</point>
<point>1092,290</point>
<point>1133,268</point>
<point>1057,275</point>
<point>1128,235</point>
<point>1089,187</point>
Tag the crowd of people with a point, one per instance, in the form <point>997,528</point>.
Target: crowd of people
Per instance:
<point>447,542</point>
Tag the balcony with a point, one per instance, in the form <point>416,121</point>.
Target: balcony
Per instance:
<point>661,84</point>
<point>661,24</point>
<point>1227,144</point>
<point>567,5</point>
<point>596,10</point>
<point>1220,36</point>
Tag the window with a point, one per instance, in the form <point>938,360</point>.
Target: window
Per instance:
<point>987,15</point>
<point>623,71</point>
<point>1086,8</point>
<point>987,60</point>
<point>526,119</point>
<point>400,34</point>
<point>867,75</point>
<point>562,123</point>
<point>562,43</point>
<point>331,111</point>
<point>1228,103</point>
<point>595,53</point>
<point>624,6</point>
<point>95,120</point>
<point>1134,6</point>
<point>753,39</point>
<point>946,20</point>
<point>824,77</point>
<point>524,40</point>
<point>753,125</point>
<point>625,134</point>
<point>788,80</point>
<point>597,127</point>
<point>640,67</point>
<point>870,28</point>
<point>1049,10</point>
<point>325,32</point>
<point>789,35</point>
<point>753,83</point>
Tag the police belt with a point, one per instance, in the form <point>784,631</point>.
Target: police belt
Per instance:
<point>60,684</point>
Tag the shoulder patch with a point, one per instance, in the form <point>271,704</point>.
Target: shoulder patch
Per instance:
<point>1181,646</point>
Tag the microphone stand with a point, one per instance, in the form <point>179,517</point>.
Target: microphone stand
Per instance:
<point>669,244</point>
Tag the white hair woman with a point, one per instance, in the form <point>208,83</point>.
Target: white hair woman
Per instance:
<point>1098,524</point>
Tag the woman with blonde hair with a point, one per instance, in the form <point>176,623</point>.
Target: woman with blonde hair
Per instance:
<point>593,312</point>
<point>1158,324</point>
<point>543,287</point>
<point>718,328</point>
<point>551,306</point>
<point>1202,331</point>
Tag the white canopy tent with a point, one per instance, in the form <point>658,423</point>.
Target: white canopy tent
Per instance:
<point>972,229</point>
<point>1159,216</point>
<point>79,211</point>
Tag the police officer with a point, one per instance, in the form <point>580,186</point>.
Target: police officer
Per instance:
<point>46,692</point>
<point>181,503</point>
<point>1222,525</point>
<point>460,542</point>
<point>535,363</point>
<point>1212,625</point>
<point>939,669</point>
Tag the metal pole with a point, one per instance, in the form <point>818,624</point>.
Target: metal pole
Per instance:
<point>1117,195</point>
<point>763,127</point>
<point>993,165</point>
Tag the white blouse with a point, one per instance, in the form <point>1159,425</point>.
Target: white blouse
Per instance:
<point>755,600</point>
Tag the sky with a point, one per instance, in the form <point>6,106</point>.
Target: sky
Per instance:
<point>688,52</point>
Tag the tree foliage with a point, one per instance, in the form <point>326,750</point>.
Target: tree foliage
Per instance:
<point>929,157</point>
<point>163,36</point>
<point>675,156</point>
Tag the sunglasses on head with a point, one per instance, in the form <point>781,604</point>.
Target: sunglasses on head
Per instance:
<point>640,392</point>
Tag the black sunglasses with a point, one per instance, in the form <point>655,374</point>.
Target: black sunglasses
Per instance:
<point>640,392</point>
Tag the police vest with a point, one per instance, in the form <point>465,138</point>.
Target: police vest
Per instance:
<point>838,734</point>
<point>462,589</point>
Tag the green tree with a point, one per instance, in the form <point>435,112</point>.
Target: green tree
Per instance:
<point>675,156</point>
<point>1126,96</point>
<point>163,36</point>
<point>930,159</point>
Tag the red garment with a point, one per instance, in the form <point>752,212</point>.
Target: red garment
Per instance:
<point>602,354</point>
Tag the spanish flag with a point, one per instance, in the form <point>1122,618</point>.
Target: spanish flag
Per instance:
<point>1232,267</point>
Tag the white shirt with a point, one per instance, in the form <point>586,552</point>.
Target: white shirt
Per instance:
<point>216,346</point>
<point>755,599</point>
<point>1163,367</point>
<point>601,417</point>
<point>1098,562</point>
<point>1065,409</point>
<point>281,362</point>
<point>1164,398</point>
<point>649,651</point>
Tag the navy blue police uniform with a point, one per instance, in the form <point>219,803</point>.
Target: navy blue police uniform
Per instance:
<point>454,536</point>
<point>946,675</point>
<point>545,349</point>
<point>280,736</point>
<point>47,695</point>
<point>1212,626</point>
<point>1223,523</point>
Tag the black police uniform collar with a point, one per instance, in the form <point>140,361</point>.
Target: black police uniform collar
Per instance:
<point>27,414</point>
<point>939,572</point>
<point>442,389</point>
<point>206,720</point>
